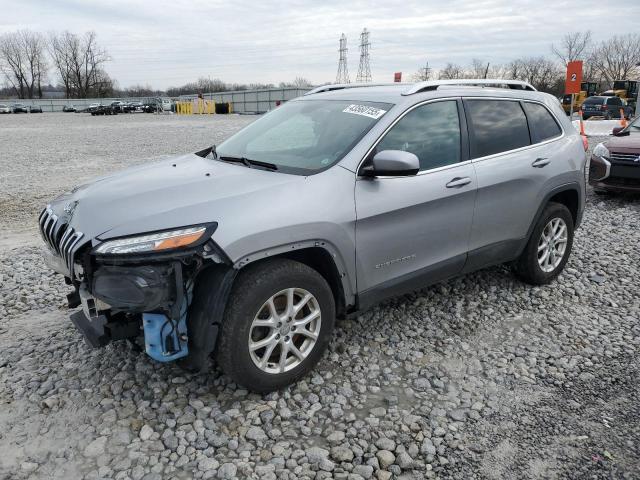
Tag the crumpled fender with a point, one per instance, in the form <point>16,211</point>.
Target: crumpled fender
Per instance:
<point>212,289</point>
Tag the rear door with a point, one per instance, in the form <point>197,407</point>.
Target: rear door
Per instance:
<point>413,230</point>
<point>515,166</point>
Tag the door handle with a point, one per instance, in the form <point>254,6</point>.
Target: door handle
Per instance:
<point>459,182</point>
<point>540,162</point>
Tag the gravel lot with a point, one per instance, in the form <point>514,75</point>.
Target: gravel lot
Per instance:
<point>480,377</point>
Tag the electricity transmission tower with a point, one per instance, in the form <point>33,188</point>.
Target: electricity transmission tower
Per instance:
<point>364,69</point>
<point>343,72</point>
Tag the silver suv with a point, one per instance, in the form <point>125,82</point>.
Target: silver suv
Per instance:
<point>321,208</point>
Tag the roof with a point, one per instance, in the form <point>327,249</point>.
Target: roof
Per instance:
<point>396,93</point>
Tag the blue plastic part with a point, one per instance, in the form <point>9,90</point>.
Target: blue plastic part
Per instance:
<point>160,333</point>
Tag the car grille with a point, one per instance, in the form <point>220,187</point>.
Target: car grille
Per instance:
<point>626,157</point>
<point>62,238</point>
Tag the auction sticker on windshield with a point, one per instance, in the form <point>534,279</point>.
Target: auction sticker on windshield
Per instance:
<point>365,110</point>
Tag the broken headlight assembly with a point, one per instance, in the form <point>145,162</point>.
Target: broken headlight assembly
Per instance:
<point>157,242</point>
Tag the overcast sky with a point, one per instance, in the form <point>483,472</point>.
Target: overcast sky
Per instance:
<point>168,43</point>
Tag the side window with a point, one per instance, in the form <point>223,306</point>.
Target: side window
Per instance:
<point>431,132</point>
<point>614,101</point>
<point>498,126</point>
<point>542,124</point>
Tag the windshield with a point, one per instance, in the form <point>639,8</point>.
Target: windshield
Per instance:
<point>634,127</point>
<point>305,136</point>
<point>594,100</point>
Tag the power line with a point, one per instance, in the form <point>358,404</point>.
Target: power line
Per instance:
<point>364,69</point>
<point>343,72</point>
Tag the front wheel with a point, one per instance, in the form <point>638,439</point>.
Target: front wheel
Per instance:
<point>277,324</point>
<point>549,247</point>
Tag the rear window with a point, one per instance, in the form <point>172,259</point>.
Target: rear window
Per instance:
<point>498,126</point>
<point>594,101</point>
<point>542,124</point>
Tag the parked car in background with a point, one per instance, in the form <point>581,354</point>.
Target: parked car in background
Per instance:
<point>615,163</point>
<point>19,108</point>
<point>166,105</point>
<point>35,109</point>
<point>135,107</point>
<point>69,108</point>
<point>151,107</point>
<point>5,108</point>
<point>606,107</point>
<point>91,108</point>
<point>118,106</point>
<point>319,209</point>
<point>104,110</point>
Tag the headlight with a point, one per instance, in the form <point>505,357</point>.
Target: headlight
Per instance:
<point>601,151</point>
<point>153,242</point>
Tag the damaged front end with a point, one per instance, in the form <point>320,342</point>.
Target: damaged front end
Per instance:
<point>144,287</point>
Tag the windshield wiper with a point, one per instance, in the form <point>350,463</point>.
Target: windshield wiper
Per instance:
<point>248,162</point>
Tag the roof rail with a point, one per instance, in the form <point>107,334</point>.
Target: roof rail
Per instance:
<point>341,86</point>
<point>434,84</point>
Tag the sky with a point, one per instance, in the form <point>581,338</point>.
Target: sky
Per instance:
<point>168,43</point>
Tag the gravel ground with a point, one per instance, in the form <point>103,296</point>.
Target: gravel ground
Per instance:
<point>480,377</point>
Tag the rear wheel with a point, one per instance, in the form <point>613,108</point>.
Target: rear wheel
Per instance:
<point>277,324</point>
<point>549,247</point>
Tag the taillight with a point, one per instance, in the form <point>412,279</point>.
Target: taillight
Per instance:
<point>585,142</point>
<point>604,107</point>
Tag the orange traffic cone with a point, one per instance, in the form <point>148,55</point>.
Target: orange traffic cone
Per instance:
<point>581,124</point>
<point>623,120</point>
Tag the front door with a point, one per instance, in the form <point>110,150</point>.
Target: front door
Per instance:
<point>414,230</point>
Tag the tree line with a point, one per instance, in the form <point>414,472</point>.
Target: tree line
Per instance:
<point>26,58</point>
<point>617,58</point>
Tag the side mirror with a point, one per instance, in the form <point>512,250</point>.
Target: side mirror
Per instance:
<point>392,163</point>
<point>616,130</point>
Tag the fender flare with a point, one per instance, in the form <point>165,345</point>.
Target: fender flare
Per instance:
<point>347,282</point>
<point>575,186</point>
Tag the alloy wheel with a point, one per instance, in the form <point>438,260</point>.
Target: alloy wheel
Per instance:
<point>285,330</point>
<point>552,244</point>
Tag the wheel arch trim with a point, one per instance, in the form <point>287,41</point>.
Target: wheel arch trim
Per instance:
<point>346,278</point>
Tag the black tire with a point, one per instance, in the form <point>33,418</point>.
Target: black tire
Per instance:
<point>253,287</point>
<point>527,267</point>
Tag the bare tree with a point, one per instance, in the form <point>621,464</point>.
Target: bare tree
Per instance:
<point>617,58</point>
<point>12,63</point>
<point>23,62</point>
<point>298,82</point>
<point>451,71</point>
<point>478,69</point>
<point>63,48</point>
<point>79,62</point>
<point>573,46</point>
<point>423,74</point>
<point>540,72</point>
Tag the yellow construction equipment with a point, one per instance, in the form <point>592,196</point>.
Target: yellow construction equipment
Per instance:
<point>625,89</point>
<point>587,89</point>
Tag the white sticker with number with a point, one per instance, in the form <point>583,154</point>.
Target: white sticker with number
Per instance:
<point>365,111</point>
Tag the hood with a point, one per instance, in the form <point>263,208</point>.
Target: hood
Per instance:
<point>172,193</point>
<point>628,143</point>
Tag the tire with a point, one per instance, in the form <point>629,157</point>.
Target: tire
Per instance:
<point>528,266</point>
<point>255,285</point>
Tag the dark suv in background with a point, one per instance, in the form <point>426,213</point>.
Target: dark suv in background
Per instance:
<point>607,107</point>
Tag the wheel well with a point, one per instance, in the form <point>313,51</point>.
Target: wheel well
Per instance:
<point>570,199</point>
<point>322,262</point>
